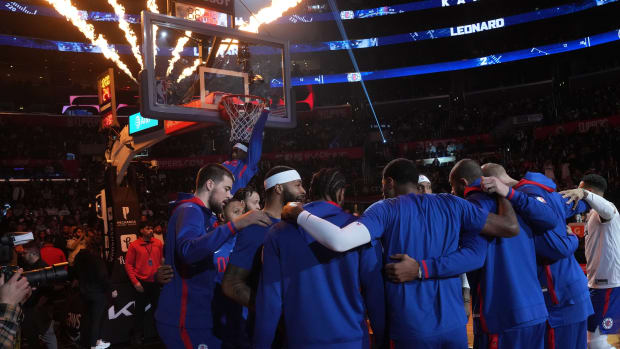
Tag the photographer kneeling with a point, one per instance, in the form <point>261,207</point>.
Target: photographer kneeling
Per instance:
<point>12,293</point>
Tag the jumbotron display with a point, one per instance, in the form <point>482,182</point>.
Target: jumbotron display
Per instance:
<point>216,18</point>
<point>532,52</point>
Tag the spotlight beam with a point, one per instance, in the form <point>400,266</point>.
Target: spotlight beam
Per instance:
<point>343,33</point>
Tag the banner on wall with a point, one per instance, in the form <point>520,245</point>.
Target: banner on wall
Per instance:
<point>576,126</point>
<point>180,163</point>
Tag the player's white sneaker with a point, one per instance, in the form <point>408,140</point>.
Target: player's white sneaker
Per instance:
<point>101,345</point>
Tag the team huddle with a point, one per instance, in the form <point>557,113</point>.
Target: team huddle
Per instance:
<point>313,276</point>
<point>303,273</point>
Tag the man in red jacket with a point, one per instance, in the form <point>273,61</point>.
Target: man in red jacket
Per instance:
<point>50,254</point>
<point>141,262</point>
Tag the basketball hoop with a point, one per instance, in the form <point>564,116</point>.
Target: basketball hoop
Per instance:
<point>243,111</point>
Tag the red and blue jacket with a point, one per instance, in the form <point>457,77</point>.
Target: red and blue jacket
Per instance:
<point>191,242</point>
<point>323,295</point>
<point>245,169</point>
<point>505,291</point>
<point>564,285</point>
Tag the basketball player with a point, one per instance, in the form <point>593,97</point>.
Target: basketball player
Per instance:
<point>603,259</point>
<point>509,309</point>
<point>183,317</point>
<point>229,317</point>
<point>425,314</point>
<point>317,290</point>
<point>424,185</point>
<point>561,278</point>
<point>282,184</point>
<point>250,197</point>
<point>245,158</point>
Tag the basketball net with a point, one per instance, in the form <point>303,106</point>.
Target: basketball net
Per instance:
<point>243,111</point>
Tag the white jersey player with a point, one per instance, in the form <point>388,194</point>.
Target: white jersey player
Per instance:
<point>602,250</point>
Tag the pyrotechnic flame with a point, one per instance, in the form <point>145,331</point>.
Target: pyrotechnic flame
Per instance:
<point>268,14</point>
<point>129,34</point>
<point>152,6</point>
<point>177,49</point>
<point>189,70</point>
<point>65,8</point>
<point>155,29</point>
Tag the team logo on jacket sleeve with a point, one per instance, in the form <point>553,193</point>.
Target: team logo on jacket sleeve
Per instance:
<point>608,323</point>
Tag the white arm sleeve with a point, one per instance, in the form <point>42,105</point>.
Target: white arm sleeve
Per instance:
<point>605,209</point>
<point>464,281</point>
<point>332,237</point>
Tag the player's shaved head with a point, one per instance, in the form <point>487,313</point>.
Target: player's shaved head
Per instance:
<point>463,174</point>
<point>467,169</point>
<point>400,176</point>
<point>491,169</point>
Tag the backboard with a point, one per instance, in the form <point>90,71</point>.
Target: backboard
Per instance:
<point>190,66</point>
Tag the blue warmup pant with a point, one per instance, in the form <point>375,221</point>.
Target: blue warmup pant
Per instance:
<point>573,336</point>
<point>531,337</point>
<point>606,304</point>
<point>455,339</point>
<point>188,338</point>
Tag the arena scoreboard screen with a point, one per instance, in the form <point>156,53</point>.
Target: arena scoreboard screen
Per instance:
<point>107,99</point>
<point>201,14</point>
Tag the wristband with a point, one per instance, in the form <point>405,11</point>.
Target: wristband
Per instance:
<point>510,193</point>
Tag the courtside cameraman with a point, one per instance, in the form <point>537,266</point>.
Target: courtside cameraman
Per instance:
<point>12,294</point>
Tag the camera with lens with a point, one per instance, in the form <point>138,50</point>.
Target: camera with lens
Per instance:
<point>38,277</point>
<point>35,277</point>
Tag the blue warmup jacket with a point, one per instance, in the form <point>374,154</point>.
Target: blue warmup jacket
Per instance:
<point>564,283</point>
<point>221,257</point>
<point>245,169</point>
<point>505,292</point>
<point>229,316</point>
<point>247,253</point>
<point>318,290</point>
<point>191,241</point>
<point>423,227</point>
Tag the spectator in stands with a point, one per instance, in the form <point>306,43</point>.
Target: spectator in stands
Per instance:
<point>50,254</point>
<point>76,244</point>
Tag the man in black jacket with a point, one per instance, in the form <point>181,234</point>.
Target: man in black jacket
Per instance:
<point>38,323</point>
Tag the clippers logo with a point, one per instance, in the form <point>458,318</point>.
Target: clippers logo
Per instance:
<point>125,212</point>
<point>354,77</point>
<point>347,15</point>
<point>203,346</point>
<point>608,323</point>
